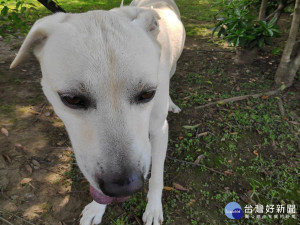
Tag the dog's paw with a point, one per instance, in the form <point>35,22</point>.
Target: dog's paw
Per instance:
<point>153,213</point>
<point>92,214</point>
<point>174,108</point>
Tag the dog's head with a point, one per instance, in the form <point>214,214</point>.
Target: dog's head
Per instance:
<point>100,74</point>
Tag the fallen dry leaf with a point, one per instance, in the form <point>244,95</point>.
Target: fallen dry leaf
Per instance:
<point>4,131</point>
<point>25,181</point>
<point>34,112</point>
<point>191,202</point>
<point>197,161</point>
<point>255,152</point>
<point>60,143</point>
<point>234,133</point>
<point>228,172</point>
<point>202,134</point>
<point>259,132</point>
<point>28,168</point>
<point>264,171</point>
<point>83,181</point>
<point>191,127</point>
<point>264,97</point>
<point>7,158</point>
<point>18,145</point>
<point>61,223</point>
<point>180,137</point>
<point>36,163</point>
<point>294,123</point>
<point>137,219</point>
<point>246,197</point>
<point>167,188</point>
<point>229,161</point>
<point>179,187</point>
<point>47,113</point>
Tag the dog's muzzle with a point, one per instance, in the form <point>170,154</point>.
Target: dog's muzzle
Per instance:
<point>117,189</point>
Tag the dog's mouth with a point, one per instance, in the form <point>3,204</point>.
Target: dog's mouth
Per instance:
<point>104,199</point>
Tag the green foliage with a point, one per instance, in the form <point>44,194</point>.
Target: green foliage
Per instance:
<point>239,27</point>
<point>13,16</point>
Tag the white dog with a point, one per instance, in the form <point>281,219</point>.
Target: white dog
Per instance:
<point>107,74</point>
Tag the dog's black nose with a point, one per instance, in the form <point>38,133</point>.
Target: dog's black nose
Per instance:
<point>122,185</point>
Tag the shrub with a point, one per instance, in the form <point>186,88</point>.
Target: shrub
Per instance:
<point>239,27</point>
<point>13,14</point>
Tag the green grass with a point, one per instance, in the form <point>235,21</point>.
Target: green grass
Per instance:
<point>74,6</point>
<point>37,10</point>
<point>197,15</point>
<point>234,132</point>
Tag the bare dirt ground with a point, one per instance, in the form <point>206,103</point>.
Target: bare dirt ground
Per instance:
<point>35,157</point>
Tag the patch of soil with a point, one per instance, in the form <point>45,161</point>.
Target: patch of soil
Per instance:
<point>35,157</point>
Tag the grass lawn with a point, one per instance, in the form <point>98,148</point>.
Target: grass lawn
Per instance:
<point>245,152</point>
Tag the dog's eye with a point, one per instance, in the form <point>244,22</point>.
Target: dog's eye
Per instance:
<point>146,96</point>
<point>75,102</point>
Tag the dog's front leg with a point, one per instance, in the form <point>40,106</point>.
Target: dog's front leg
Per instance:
<point>92,214</point>
<point>159,141</point>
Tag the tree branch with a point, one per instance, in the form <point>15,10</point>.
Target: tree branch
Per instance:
<point>52,6</point>
<point>5,221</point>
<point>262,11</point>
<point>279,10</point>
<point>239,98</point>
<point>195,164</point>
<point>14,215</point>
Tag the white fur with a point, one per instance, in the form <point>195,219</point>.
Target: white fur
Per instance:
<point>110,54</point>
<point>92,213</point>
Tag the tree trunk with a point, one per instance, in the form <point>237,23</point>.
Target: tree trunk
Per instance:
<point>262,11</point>
<point>52,6</point>
<point>290,59</point>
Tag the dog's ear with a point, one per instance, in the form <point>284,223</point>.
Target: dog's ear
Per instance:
<point>148,20</point>
<point>37,36</point>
